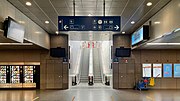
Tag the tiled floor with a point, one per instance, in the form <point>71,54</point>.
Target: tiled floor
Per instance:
<point>83,92</point>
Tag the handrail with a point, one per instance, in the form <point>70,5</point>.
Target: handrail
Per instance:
<point>90,62</point>
<point>101,66</point>
<point>105,71</point>
<point>91,75</point>
<point>77,72</point>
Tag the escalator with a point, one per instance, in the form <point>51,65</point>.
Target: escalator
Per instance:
<point>96,65</point>
<point>84,66</point>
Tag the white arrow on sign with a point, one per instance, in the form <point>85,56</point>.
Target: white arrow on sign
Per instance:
<point>117,27</point>
<point>66,27</point>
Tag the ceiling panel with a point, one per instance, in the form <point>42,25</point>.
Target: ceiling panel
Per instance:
<point>119,4</point>
<point>77,4</point>
<point>56,3</point>
<point>129,10</point>
<point>89,4</point>
<point>101,3</point>
<point>147,14</point>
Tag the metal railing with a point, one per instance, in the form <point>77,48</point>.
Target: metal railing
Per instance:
<point>77,73</point>
<point>106,76</point>
<point>91,75</point>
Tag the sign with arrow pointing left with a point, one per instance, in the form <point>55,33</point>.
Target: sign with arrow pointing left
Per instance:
<point>89,23</point>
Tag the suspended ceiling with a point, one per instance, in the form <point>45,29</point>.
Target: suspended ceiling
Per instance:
<point>129,10</point>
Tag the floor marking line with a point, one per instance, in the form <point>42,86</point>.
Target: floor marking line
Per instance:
<point>112,98</point>
<point>73,98</point>
<point>149,98</point>
<point>35,98</point>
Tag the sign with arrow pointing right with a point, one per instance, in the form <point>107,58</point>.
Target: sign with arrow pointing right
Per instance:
<point>89,23</point>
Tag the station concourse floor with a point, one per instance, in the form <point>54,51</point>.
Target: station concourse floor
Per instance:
<point>83,92</point>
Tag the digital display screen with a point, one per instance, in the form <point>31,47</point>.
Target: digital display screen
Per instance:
<point>176,70</point>
<point>157,70</point>
<point>146,70</point>
<point>123,52</point>
<point>57,52</point>
<point>15,31</point>
<point>137,36</point>
<point>167,70</point>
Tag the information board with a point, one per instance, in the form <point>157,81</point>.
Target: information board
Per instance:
<point>167,70</point>
<point>176,70</point>
<point>137,36</point>
<point>146,70</point>
<point>157,70</point>
<point>89,23</point>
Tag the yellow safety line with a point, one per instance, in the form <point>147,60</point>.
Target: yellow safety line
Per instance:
<point>149,98</point>
<point>73,98</point>
<point>112,98</point>
<point>35,98</point>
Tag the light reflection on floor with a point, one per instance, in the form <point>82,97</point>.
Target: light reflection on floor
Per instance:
<point>84,92</point>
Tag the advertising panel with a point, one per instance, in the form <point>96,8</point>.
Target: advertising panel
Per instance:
<point>157,70</point>
<point>167,70</point>
<point>146,70</point>
<point>176,70</point>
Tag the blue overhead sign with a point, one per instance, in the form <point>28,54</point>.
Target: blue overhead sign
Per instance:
<point>89,23</point>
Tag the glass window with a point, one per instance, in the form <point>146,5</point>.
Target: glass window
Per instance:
<point>157,70</point>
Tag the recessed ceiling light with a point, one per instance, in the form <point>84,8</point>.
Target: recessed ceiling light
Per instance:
<point>28,3</point>
<point>89,14</point>
<point>21,22</point>
<point>57,32</point>
<point>132,22</point>
<point>46,22</point>
<point>157,22</point>
<point>37,32</point>
<point>163,44</point>
<point>123,32</point>
<point>149,4</point>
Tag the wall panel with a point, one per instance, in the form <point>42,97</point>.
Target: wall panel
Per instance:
<point>33,32</point>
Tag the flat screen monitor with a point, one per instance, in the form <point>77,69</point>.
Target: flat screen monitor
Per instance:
<point>123,52</point>
<point>14,30</point>
<point>140,35</point>
<point>57,52</point>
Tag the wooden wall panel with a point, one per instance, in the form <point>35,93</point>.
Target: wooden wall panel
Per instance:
<point>168,83</point>
<point>136,55</point>
<point>150,56</point>
<point>168,56</point>
<point>158,83</point>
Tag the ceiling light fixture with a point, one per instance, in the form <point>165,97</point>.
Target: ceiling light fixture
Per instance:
<point>132,22</point>
<point>176,30</point>
<point>47,22</point>
<point>28,3</point>
<point>21,22</point>
<point>157,22</point>
<point>123,32</point>
<point>149,4</point>
<point>163,43</point>
<point>57,32</point>
<point>89,14</point>
<point>22,44</point>
<point>37,32</point>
